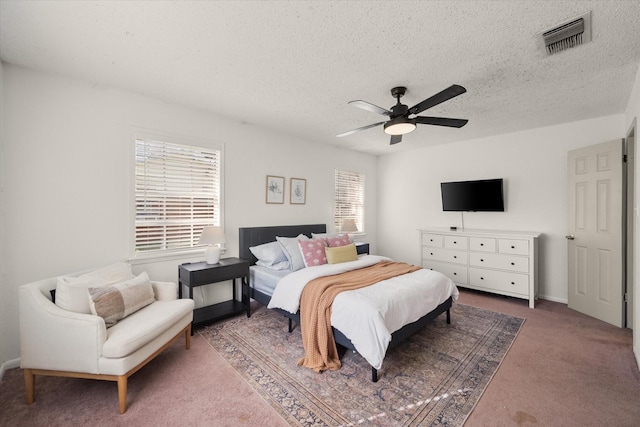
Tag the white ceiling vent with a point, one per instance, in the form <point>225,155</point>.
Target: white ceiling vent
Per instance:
<point>570,34</point>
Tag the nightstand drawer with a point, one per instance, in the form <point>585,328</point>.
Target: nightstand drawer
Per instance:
<point>222,271</point>
<point>362,248</point>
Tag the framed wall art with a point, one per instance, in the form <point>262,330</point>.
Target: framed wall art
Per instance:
<point>298,190</point>
<point>275,189</point>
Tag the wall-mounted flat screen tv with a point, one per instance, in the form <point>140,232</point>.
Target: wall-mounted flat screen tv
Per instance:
<point>474,196</point>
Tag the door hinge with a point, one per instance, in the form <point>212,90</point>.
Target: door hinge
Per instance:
<point>626,297</point>
<point>624,158</point>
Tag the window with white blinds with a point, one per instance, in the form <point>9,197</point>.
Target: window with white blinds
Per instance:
<point>177,193</point>
<point>349,199</point>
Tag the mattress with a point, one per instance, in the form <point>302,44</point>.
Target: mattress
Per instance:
<point>265,279</point>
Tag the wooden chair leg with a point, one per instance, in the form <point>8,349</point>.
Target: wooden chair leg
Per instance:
<point>122,393</point>
<point>29,385</point>
<point>188,338</point>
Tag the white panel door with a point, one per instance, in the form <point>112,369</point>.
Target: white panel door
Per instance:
<point>595,231</point>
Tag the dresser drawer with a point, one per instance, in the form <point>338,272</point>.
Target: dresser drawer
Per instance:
<point>499,281</point>
<point>513,246</point>
<point>499,261</point>
<point>434,240</point>
<point>455,242</point>
<point>484,244</point>
<point>447,255</point>
<point>455,272</point>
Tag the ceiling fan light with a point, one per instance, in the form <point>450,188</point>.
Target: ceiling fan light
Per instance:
<point>399,127</point>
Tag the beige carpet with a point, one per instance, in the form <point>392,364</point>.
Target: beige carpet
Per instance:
<point>434,378</point>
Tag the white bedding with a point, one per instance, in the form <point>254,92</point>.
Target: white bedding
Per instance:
<point>265,279</point>
<point>368,316</point>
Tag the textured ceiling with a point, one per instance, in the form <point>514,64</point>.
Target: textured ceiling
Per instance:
<point>293,66</point>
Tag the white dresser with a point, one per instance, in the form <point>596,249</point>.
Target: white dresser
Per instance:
<point>502,262</point>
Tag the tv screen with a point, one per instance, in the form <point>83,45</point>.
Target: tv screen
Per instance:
<point>475,196</point>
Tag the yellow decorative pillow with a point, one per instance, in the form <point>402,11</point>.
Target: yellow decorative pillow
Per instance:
<point>341,254</point>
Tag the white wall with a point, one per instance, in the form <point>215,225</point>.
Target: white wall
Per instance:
<point>633,112</point>
<point>4,302</point>
<point>67,169</point>
<point>534,166</point>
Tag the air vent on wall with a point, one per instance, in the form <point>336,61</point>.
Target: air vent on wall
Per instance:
<point>570,34</point>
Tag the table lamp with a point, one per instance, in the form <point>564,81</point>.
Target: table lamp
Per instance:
<point>212,237</point>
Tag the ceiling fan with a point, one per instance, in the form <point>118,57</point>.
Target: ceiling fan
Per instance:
<point>400,122</point>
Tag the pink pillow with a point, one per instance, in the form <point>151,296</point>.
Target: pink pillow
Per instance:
<point>340,240</point>
<point>313,252</point>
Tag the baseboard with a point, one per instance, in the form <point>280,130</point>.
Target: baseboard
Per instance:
<point>9,364</point>
<point>554,299</point>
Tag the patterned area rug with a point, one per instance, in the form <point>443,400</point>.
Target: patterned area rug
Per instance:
<point>433,378</point>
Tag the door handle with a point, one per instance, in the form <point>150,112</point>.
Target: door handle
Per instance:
<point>570,237</point>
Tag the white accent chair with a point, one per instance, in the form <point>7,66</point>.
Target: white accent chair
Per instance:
<point>63,343</point>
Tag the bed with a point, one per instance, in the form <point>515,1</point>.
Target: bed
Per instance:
<point>262,289</point>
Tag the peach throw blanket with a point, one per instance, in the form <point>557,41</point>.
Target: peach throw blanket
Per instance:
<point>315,309</point>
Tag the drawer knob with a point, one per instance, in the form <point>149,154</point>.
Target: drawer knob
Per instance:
<point>431,253</point>
<point>481,244</point>
<point>455,274</point>
<point>513,283</point>
<point>481,260</point>
<point>482,278</point>
<point>455,243</point>
<point>513,263</point>
<point>455,256</point>
<point>513,247</point>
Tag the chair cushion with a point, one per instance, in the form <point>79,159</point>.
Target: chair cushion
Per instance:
<point>115,302</point>
<point>140,328</point>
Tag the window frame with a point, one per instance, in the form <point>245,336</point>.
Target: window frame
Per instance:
<point>361,206</point>
<point>180,140</point>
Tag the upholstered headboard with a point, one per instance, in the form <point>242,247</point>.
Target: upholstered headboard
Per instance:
<point>254,236</point>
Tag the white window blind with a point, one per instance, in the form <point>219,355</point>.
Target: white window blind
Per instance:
<point>349,199</point>
<point>177,193</point>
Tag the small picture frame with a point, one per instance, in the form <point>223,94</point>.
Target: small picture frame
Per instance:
<point>275,189</point>
<point>298,191</point>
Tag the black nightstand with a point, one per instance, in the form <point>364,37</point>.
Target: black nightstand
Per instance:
<point>362,248</point>
<point>197,274</point>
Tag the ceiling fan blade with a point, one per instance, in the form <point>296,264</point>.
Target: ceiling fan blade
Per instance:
<point>349,132</point>
<point>450,92</point>
<point>370,107</point>
<point>441,121</point>
<point>395,139</point>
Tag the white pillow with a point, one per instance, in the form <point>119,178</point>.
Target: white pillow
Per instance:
<point>291,250</point>
<point>270,255</point>
<point>72,291</point>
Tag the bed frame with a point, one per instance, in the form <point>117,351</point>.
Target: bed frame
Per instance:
<point>253,236</point>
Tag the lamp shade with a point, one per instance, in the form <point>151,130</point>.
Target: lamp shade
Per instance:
<point>348,225</point>
<point>211,236</point>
